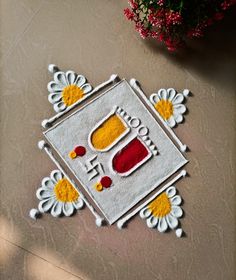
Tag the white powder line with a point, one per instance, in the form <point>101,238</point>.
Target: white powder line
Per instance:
<point>48,122</point>
<point>135,86</point>
<point>44,146</point>
<point>120,224</point>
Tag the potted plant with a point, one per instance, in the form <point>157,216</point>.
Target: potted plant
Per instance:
<point>173,21</point>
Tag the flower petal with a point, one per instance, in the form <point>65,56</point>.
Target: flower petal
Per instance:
<point>57,209</point>
<point>54,97</point>
<point>59,107</point>
<point>46,204</point>
<point>171,121</point>
<point>154,98</point>
<point>176,200</point>
<point>71,77</point>
<point>176,211</point>
<point>172,221</point>
<point>179,109</point>
<point>152,221</point>
<point>86,88</point>
<point>54,87</point>
<point>56,175</point>
<point>179,98</point>
<point>162,225</point>
<point>43,193</point>
<point>78,204</point>
<point>178,118</point>
<point>171,93</point>
<point>145,213</point>
<point>68,208</point>
<point>80,80</point>
<point>47,183</point>
<point>60,78</point>
<point>162,93</point>
<point>171,191</point>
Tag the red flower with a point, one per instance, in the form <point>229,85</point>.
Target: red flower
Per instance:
<point>161,2</point>
<point>170,45</point>
<point>196,32</point>
<point>133,4</point>
<point>172,21</point>
<point>218,16</point>
<point>209,22</point>
<point>129,14</point>
<point>161,37</point>
<point>154,34</point>
<point>144,33</point>
<point>173,18</point>
<point>227,4</point>
<point>157,18</point>
<point>153,19</point>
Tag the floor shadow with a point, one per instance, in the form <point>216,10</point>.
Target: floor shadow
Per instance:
<point>213,56</point>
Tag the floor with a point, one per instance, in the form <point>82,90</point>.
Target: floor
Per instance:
<point>93,38</point>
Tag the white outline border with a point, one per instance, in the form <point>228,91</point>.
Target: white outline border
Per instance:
<point>42,145</point>
<point>158,183</point>
<point>150,154</point>
<point>49,122</point>
<point>112,112</point>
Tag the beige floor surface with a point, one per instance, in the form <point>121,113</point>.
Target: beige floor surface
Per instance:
<point>93,38</point>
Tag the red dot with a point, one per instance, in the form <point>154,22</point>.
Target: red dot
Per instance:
<point>80,151</point>
<point>106,181</point>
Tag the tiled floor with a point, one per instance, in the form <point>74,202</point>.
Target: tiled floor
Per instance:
<point>93,38</point>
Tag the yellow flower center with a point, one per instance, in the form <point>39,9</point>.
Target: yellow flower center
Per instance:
<point>161,206</point>
<point>164,108</point>
<point>65,192</point>
<point>72,94</point>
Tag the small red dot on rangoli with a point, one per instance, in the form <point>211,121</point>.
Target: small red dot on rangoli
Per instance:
<point>106,181</point>
<point>80,151</point>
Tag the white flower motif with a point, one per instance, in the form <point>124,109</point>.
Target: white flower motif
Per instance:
<point>168,104</point>
<point>67,89</point>
<point>164,211</point>
<point>58,196</point>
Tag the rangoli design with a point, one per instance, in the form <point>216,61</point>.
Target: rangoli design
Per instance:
<point>58,196</point>
<point>168,104</point>
<point>119,146</point>
<point>164,211</point>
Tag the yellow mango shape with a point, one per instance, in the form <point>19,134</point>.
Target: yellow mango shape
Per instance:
<point>108,133</point>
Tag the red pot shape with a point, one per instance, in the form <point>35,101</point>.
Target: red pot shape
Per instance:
<point>130,157</point>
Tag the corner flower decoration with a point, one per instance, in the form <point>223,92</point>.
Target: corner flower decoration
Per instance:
<point>66,89</point>
<point>163,212</point>
<point>168,103</point>
<point>58,196</point>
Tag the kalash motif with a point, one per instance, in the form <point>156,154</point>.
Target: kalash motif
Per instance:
<point>118,153</point>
